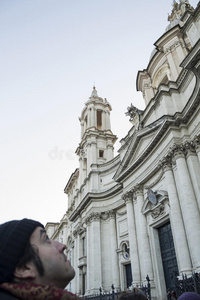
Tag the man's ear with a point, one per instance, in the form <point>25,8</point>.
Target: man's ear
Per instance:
<point>28,271</point>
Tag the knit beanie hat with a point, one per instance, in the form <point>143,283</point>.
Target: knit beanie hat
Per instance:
<point>189,296</point>
<point>14,236</point>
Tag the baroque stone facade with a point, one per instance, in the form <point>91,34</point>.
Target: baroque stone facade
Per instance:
<point>138,213</point>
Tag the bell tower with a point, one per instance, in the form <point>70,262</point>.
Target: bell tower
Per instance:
<point>97,140</point>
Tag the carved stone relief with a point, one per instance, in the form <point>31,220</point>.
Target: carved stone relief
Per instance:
<point>159,210</point>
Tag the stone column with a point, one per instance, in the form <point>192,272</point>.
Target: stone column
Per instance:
<point>96,274</point>
<point>113,250</point>
<point>88,251</point>
<point>92,117</point>
<point>178,230</point>
<point>109,151</point>
<point>194,169</point>
<point>89,117</point>
<point>108,126</point>
<point>103,120</point>
<point>196,143</point>
<point>76,257</point>
<point>95,117</point>
<point>135,266</point>
<point>65,231</point>
<point>89,156</point>
<point>82,128</point>
<point>189,207</point>
<point>142,236</point>
<point>93,151</point>
<point>81,176</point>
<point>71,285</point>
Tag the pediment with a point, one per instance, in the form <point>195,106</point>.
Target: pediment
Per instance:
<point>140,145</point>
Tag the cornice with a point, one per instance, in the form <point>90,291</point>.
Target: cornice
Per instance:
<point>95,196</point>
<point>71,180</point>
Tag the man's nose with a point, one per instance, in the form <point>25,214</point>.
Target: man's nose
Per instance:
<point>59,246</point>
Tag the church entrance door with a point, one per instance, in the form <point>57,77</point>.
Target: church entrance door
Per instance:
<point>128,275</point>
<point>168,255</point>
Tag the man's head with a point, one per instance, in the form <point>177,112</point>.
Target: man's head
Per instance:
<point>26,253</point>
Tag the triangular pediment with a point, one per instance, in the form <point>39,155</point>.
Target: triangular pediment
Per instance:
<point>140,144</point>
<point>138,147</point>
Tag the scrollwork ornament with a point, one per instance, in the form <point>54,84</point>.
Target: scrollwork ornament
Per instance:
<point>128,196</point>
<point>196,142</point>
<point>75,233</point>
<point>189,148</point>
<point>105,215</point>
<point>112,213</point>
<point>95,216</point>
<point>80,229</point>
<point>166,163</point>
<point>178,151</point>
<point>138,190</point>
<point>87,221</point>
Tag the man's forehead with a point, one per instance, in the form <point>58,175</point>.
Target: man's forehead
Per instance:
<point>37,233</point>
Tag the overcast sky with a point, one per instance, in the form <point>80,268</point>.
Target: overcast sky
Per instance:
<point>52,53</point>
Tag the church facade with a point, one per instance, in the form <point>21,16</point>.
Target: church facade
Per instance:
<point>138,213</point>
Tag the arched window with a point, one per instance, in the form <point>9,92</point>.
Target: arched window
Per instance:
<point>99,119</point>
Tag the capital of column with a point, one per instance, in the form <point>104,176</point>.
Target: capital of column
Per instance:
<point>128,197</point>
<point>108,215</point>
<point>82,153</point>
<point>94,216</point>
<point>138,190</point>
<point>196,142</point>
<point>75,233</point>
<point>87,221</point>
<point>112,214</point>
<point>166,163</point>
<point>80,229</point>
<point>177,151</point>
<point>189,148</point>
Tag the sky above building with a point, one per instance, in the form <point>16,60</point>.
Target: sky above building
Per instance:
<point>52,54</point>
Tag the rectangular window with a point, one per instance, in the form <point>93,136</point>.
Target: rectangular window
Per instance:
<point>100,153</point>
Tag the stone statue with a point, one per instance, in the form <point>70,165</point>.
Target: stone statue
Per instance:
<point>135,116</point>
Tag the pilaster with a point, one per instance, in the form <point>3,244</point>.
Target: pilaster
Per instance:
<point>89,270</point>
<point>178,229</point>
<point>196,143</point>
<point>189,206</point>
<point>76,256</point>
<point>95,261</point>
<point>135,266</point>
<point>194,168</point>
<point>113,244</point>
<point>142,235</point>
